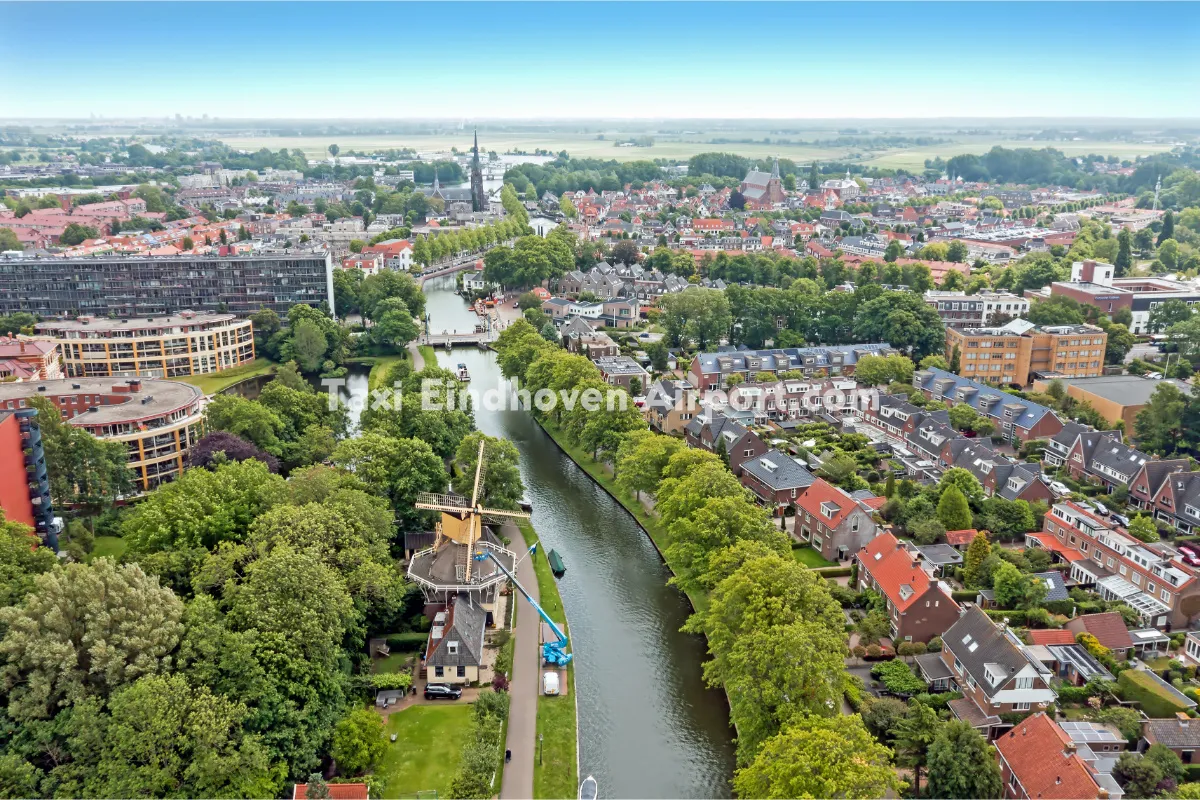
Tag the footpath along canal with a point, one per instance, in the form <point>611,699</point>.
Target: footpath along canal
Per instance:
<point>647,725</point>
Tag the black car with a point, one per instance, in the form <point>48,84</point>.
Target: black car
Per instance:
<point>441,691</point>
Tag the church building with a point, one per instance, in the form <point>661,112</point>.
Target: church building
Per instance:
<point>763,190</point>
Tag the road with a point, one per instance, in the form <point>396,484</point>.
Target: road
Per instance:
<point>523,688</point>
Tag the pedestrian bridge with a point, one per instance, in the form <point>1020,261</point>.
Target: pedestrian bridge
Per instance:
<point>452,340</point>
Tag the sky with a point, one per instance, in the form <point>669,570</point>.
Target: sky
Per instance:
<point>319,60</point>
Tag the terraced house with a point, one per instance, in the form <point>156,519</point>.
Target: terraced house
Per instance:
<point>918,605</point>
<point>1101,457</point>
<point>711,371</point>
<point>1150,578</point>
<point>1016,419</point>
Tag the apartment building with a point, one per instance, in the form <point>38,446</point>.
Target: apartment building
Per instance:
<point>1017,351</point>
<point>158,421</point>
<point>143,286</point>
<point>962,310</point>
<point>1095,283</point>
<point>711,371</point>
<point>1151,579</point>
<point>172,346</point>
<point>24,480</point>
<point>1015,419</point>
<point>993,668</point>
<point>918,605</point>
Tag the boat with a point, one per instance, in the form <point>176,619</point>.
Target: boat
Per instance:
<point>556,564</point>
<point>463,374</point>
<point>589,789</point>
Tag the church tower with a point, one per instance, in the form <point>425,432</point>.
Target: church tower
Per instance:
<point>478,199</point>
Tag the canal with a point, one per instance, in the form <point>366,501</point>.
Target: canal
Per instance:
<point>648,726</point>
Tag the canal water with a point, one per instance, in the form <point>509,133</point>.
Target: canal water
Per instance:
<point>648,726</point>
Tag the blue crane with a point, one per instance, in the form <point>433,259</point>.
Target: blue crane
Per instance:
<point>553,652</point>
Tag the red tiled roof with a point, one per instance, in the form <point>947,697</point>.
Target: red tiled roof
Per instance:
<point>821,492</point>
<point>1043,759</point>
<point>958,538</point>
<point>1108,628</point>
<point>1055,546</point>
<point>893,567</point>
<point>1051,636</point>
<point>337,791</point>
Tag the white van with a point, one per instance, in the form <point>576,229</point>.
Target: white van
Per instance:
<point>550,683</point>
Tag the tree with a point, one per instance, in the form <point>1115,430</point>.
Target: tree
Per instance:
<point>1168,228</point>
<point>894,250</point>
<point>1168,254</point>
<point>1015,589</point>
<point>220,447</point>
<point>960,764</point>
<point>814,177</point>
<point>9,240</point>
<point>915,734</point>
<point>820,757</point>
<point>699,315</point>
<point>934,361</point>
<point>879,370</point>
<point>333,151</point>
<point>75,234</point>
<point>396,468</point>
<point>625,252</point>
<point>953,510</point>
<point>1138,776</point>
<point>309,345</point>
<point>1124,259</point>
<point>1168,314</point>
<point>659,354</point>
<point>1142,527</point>
<point>317,788</point>
<point>358,742</point>
<point>85,631</point>
<point>20,561</point>
<point>84,470</point>
<point>1159,425</point>
<point>977,552</point>
<point>502,486</point>
<point>248,420</point>
<point>956,251</point>
<point>641,459</point>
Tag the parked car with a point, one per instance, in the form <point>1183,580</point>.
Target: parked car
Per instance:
<point>550,683</point>
<point>1121,518</point>
<point>442,691</point>
<point>1059,488</point>
<point>1190,555</point>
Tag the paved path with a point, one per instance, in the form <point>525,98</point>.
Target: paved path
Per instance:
<point>522,713</point>
<point>417,359</point>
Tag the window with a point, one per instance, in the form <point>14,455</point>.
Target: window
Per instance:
<point>452,648</point>
<point>462,672</point>
<point>1020,706</point>
<point>439,672</point>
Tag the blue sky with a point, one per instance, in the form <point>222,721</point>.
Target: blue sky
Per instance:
<point>537,60</point>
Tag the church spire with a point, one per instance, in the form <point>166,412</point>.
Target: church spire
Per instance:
<point>435,179</point>
<point>775,168</point>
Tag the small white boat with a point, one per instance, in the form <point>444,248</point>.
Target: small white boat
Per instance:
<point>463,374</point>
<point>589,789</point>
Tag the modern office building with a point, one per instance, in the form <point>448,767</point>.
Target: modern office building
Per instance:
<point>1018,351</point>
<point>151,347</point>
<point>1095,283</point>
<point>24,481</point>
<point>146,286</point>
<point>157,420</point>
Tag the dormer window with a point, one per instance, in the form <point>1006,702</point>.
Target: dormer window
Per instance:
<point>828,509</point>
<point>452,648</point>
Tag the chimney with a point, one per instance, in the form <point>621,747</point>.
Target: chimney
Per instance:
<point>1182,718</point>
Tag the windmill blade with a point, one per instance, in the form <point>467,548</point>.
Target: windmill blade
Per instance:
<point>478,474</point>
<point>496,512</point>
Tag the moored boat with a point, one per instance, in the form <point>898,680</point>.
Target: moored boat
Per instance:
<point>589,789</point>
<point>556,564</point>
<point>463,374</point>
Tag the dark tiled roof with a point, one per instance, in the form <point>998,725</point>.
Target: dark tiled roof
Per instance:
<point>1174,733</point>
<point>778,471</point>
<point>464,625</point>
<point>975,641</point>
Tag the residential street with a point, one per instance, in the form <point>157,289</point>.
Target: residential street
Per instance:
<point>522,713</point>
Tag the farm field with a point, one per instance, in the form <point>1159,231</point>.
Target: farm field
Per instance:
<point>682,147</point>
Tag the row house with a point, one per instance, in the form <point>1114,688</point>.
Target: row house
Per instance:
<point>714,432</point>
<point>836,524</point>
<point>776,479</point>
<point>711,371</point>
<point>1176,500</point>
<point>795,399</point>
<point>1039,759</point>
<point>918,605</point>
<point>670,406</point>
<point>993,668</point>
<point>1150,578</point>
<point>1102,457</point>
<point>1018,420</point>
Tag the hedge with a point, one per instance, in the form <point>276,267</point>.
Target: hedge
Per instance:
<point>965,594</point>
<point>832,572</point>
<point>1155,700</point>
<point>407,642</point>
<point>392,680</point>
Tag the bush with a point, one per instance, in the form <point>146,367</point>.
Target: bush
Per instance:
<point>407,642</point>
<point>938,702</point>
<point>392,680</point>
<point>965,594</point>
<point>874,651</point>
<point>898,678</point>
<point>1156,702</point>
<point>935,645</point>
<point>832,572</point>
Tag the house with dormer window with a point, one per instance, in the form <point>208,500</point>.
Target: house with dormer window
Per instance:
<point>836,524</point>
<point>918,605</point>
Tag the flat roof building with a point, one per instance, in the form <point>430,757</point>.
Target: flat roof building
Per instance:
<point>141,286</point>
<point>158,421</point>
<point>1117,398</point>
<point>1018,351</point>
<point>1095,283</point>
<point>172,346</point>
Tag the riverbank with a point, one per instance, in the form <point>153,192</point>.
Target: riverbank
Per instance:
<point>556,771</point>
<point>602,474</point>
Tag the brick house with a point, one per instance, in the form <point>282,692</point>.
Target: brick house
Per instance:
<point>776,479</point>
<point>1181,735</point>
<point>991,666</point>
<point>1108,628</point>
<point>919,606</point>
<point>834,523</point>
<point>670,406</point>
<point>741,443</point>
<point>1039,760</point>
<point>1015,419</point>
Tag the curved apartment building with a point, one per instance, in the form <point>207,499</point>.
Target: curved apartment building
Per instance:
<point>158,421</point>
<point>173,346</point>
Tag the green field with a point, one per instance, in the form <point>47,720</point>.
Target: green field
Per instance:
<point>211,384</point>
<point>557,775</point>
<point>811,558</point>
<point>108,546</point>
<point>427,750</point>
<point>380,367</point>
<point>683,146</point>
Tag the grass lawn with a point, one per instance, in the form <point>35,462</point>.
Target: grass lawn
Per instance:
<point>108,546</point>
<point>390,663</point>
<point>215,382</point>
<point>428,353</point>
<point>427,750</point>
<point>380,367</point>
<point>557,776</point>
<point>811,558</point>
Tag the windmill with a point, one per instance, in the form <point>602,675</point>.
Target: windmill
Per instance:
<point>461,522</point>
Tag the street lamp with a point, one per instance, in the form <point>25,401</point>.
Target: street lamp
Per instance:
<point>540,737</point>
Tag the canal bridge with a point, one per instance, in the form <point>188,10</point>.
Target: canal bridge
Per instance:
<point>480,339</point>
